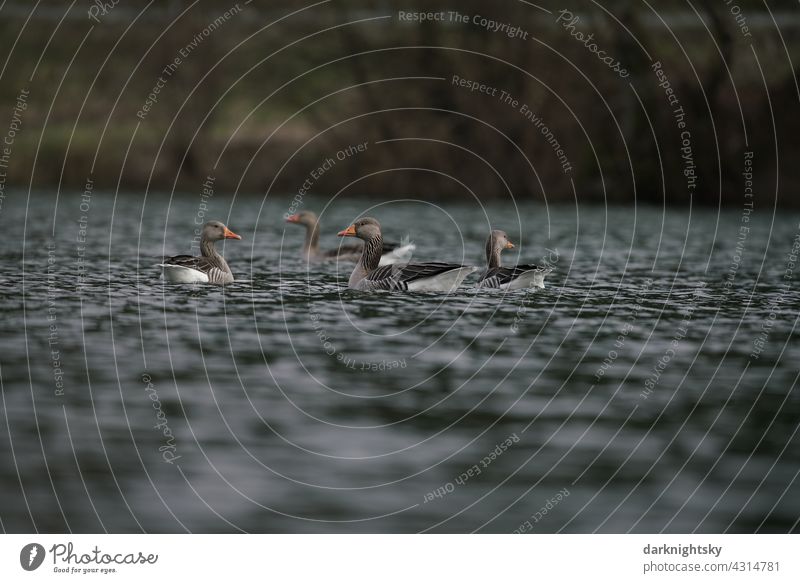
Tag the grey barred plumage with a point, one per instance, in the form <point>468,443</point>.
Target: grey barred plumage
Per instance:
<point>489,281</point>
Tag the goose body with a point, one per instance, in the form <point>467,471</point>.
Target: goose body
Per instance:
<point>391,253</point>
<point>508,278</point>
<point>511,278</point>
<point>183,270</point>
<point>369,276</point>
<point>430,277</point>
<point>209,267</point>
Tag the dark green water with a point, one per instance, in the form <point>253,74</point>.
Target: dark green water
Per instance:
<point>642,390</point>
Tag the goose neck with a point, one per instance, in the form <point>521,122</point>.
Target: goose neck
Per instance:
<point>312,237</point>
<point>371,256</point>
<point>492,254</point>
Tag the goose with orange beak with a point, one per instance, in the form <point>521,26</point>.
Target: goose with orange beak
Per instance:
<point>210,267</point>
<point>508,278</point>
<point>368,275</point>
<point>391,252</point>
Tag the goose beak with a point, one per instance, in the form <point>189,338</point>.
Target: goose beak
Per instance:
<point>348,232</point>
<point>230,234</point>
<point>509,245</point>
<point>293,219</point>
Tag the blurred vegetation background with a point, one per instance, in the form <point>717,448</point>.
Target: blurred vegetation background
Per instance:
<point>278,87</point>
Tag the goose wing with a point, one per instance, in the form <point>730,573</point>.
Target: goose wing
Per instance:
<point>190,262</point>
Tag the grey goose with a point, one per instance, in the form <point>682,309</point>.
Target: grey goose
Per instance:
<point>369,276</point>
<point>209,267</point>
<point>508,278</point>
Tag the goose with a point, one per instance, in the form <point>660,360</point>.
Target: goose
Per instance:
<point>369,276</point>
<point>392,252</point>
<point>508,278</point>
<point>210,267</point>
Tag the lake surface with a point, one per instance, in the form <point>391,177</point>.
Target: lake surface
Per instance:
<point>651,387</point>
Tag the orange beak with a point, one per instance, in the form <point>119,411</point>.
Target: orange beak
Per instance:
<point>230,234</point>
<point>509,245</point>
<point>293,219</point>
<point>348,232</point>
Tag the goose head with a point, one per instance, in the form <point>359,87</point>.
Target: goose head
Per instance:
<point>306,218</point>
<point>365,229</point>
<point>499,240</point>
<point>216,231</point>
<point>495,244</point>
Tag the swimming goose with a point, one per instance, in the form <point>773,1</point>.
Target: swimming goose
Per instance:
<point>392,252</point>
<point>518,277</point>
<point>210,267</point>
<point>368,276</point>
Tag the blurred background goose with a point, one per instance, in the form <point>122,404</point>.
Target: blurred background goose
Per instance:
<point>518,277</point>
<point>369,276</point>
<point>390,252</point>
<point>210,267</point>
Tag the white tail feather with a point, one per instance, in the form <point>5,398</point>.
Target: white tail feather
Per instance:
<point>401,254</point>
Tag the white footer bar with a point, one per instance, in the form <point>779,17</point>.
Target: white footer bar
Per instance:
<point>401,558</point>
